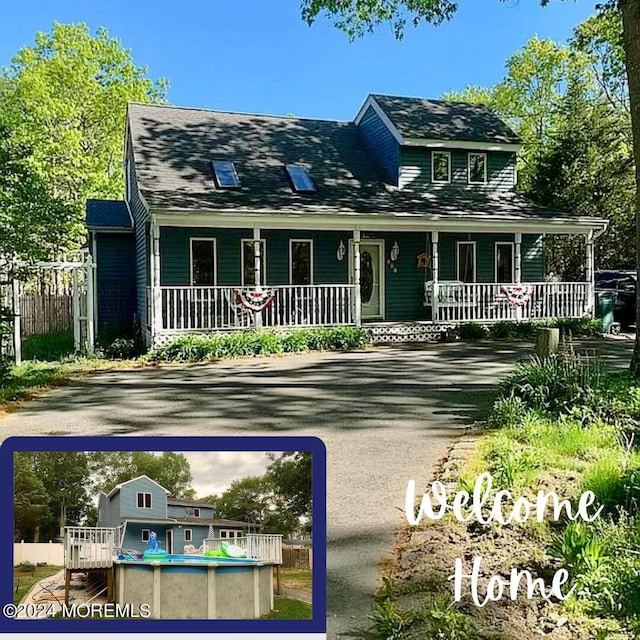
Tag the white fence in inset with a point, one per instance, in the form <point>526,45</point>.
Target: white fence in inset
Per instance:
<point>258,546</point>
<point>38,553</point>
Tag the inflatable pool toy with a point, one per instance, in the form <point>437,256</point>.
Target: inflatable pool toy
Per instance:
<point>233,551</point>
<point>154,552</point>
<point>214,554</point>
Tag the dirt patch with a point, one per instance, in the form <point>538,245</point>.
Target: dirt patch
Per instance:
<point>425,558</point>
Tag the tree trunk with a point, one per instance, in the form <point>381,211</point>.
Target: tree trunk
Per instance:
<point>630,10</point>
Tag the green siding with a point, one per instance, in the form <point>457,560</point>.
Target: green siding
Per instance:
<point>415,170</point>
<point>175,245</point>
<point>532,259</point>
<point>116,261</point>
<point>380,141</point>
<point>404,286</point>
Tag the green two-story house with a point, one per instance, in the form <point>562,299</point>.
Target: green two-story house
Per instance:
<point>405,216</point>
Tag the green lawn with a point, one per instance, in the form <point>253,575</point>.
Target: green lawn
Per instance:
<point>287,609</point>
<point>24,580</point>
<point>299,579</point>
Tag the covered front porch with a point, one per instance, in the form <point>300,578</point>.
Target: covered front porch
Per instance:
<point>286,277</point>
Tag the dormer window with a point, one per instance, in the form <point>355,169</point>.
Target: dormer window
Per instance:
<point>477,168</point>
<point>144,500</point>
<point>225,174</point>
<point>441,167</point>
<point>301,181</point>
<point>196,513</point>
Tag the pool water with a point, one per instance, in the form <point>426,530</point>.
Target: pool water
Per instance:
<point>183,559</point>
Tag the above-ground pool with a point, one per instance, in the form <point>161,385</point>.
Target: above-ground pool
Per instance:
<point>196,587</point>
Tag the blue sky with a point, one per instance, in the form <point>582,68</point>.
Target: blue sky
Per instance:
<point>259,56</point>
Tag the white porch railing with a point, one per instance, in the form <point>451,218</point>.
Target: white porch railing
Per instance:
<point>211,308</point>
<point>88,547</point>
<point>480,302</point>
<point>258,546</point>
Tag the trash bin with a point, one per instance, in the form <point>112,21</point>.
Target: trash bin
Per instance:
<point>606,303</point>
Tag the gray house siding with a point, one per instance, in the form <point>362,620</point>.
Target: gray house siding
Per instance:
<point>415,170</point>
<point>379,140</point>
<point>109,511</point>
<point>179,511</point>
<point>116,289</point>
<point>128,500</point>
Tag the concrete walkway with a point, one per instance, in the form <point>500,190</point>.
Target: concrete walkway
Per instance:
<point>386,416</point>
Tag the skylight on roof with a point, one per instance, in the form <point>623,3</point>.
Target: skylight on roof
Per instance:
<point>225,174</point>
<point>300,179</point>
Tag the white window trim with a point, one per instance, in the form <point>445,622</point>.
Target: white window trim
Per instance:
<point>263,259</point>
<point>433,164</point>
<point>148,535</point>
<point>475,259</point>
<point>235,533</point>
<point>196,512</point>
<point>144,493</point>
<point>127,178</point>
<point>215,261</point>
<point>190,539</point>
<point>486,163</point>
<point>513,258</point>
<point>311,259</point>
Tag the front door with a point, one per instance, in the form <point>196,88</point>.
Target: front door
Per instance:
<point>372,279</point>
<point>169,540</point>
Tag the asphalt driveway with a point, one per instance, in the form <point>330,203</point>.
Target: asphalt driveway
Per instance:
<point>386,416</point>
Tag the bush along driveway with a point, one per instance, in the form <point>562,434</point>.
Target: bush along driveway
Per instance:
<point>564,424</point>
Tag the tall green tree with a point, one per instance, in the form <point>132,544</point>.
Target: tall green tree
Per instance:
<point>65,98</point>
<point>290,475</point>
<point>65,476</point>
<point>30,499</point>
<point>531,97</point>
<point>169,469</point>
<point>254,500</point>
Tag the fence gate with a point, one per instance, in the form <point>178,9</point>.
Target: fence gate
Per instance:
<point>30,309</point>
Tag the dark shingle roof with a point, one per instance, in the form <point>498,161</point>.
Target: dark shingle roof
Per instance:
<point>104,214</point>
<point>189,503</point>
<point>441,120</point>
<point>173,148</point>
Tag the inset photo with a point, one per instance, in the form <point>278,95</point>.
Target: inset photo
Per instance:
<point>218,529</point>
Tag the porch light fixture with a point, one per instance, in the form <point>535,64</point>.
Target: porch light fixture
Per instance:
<point>340,253</point>
<point>395,252</point>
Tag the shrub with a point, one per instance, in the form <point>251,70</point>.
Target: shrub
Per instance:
<point>579,327</point>
<point>6,371</point>
<point>26,566</point>
<point>122,349</point>
<point>50,347</point>
<point>254,343</point>
<point>472,331</point>
<point>506,412</point>
<point>501,330</point>
<point>557,382</point>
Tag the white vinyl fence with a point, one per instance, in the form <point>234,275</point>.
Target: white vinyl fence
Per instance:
<point>38,552</point>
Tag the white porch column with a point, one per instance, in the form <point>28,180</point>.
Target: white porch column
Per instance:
<point>517,275</point>
<point>435,274</point>
<point>257,269</point>
<point>17,331</point>
<point>517,269</point>
<point>156,294</point>
<point>357,312</point>
<point>75,297</point>
<point>590,275</point>
<point>90,282</point>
